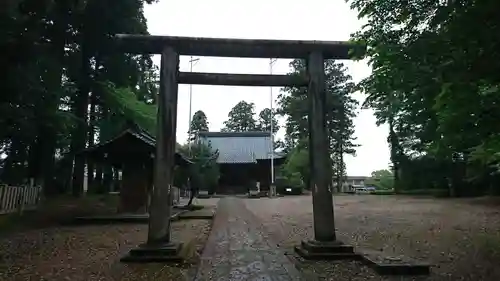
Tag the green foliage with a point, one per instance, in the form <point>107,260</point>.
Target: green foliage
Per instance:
<point>290,185</point>
<point>241,118</point>
<point>64,88</point>
<point>435,83</point>
<point>199,123</point>
<point>204,172</point>
<point>265,119</point>
<point>340,108</point>
<point>296,169</point>
<point>125,105</point>
<point>381,179</point>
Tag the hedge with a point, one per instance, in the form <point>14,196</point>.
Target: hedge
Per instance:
<point>383,192</point>
<point>431,192</point>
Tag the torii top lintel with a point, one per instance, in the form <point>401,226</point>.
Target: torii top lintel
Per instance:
<point>244,48</point>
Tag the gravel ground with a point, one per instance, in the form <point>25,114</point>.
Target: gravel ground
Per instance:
<point>461,238</point>
<point>92,253</point>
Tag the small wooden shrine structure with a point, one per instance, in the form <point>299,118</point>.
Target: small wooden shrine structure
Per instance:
<point>132,151</point>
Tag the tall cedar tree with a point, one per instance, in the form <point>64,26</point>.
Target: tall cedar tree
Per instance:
<point>57,61</point>
<point>241,118</point>
<point>199,123</point>
<point>341,110</point>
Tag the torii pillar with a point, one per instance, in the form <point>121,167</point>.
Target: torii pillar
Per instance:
<point>159,247</point>
<point>325,244</point>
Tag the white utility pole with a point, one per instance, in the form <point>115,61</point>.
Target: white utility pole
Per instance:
<point>271,63</point>
<point>191,61</point>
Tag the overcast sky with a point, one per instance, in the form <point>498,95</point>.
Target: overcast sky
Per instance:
<point>263,19</point>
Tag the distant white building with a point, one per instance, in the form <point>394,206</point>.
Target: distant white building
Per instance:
<point>352,182</point>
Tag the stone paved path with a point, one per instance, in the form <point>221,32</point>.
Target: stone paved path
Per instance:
<point>237,249</point>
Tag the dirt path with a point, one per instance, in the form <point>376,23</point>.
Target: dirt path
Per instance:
<point>461,239</point>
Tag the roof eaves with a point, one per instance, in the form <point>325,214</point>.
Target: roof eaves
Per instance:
<point>139,134</point>
<point>234,134</point>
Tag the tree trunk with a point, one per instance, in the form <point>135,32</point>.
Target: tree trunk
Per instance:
<point>48,133</point>
<point>33,161</point>
<point>47,161</point>
<point>396,156</point>
<point>91,127</point>
<point>101,180</point>
<point>340,179</point>
<point>94,183</point>
<point>79,137</point>
<point>14,170</point>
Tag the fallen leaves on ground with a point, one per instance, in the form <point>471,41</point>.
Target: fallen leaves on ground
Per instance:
<point>92,253</point>
<point>461,240</point>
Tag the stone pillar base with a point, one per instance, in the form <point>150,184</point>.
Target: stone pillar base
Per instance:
<point>317,250</point>
<point>146,253</point>
<point>272,191</point>
<point>381,262</point>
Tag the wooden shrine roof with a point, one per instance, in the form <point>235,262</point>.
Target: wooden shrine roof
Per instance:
<point>131,145</point>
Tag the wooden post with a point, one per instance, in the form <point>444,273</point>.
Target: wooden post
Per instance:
<point>3,197</point>
<point>21,198</point>
<point>159,221</point>
<point>324,224</point>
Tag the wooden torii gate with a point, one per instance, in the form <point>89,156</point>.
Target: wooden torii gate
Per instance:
<point>159,246</point>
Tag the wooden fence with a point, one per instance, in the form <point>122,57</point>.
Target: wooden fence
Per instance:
<point>18,198</point>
